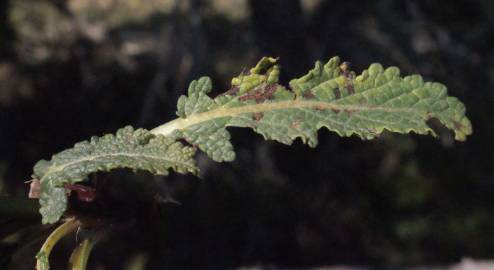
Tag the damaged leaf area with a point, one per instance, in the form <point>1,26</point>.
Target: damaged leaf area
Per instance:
<point>330,96</point>
<point>128,148</point>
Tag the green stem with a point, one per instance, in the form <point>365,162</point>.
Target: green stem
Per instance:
<point>69,226</point>
<point>80,255</point>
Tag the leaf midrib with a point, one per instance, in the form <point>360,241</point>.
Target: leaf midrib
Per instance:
<point>59,168</point>
<point>184,123</point>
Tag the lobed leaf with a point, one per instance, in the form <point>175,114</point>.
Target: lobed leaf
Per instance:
<point>129,148</point>
<point>330,96</point>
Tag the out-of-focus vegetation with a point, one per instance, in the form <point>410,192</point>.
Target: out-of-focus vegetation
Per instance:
<point>71,69</point>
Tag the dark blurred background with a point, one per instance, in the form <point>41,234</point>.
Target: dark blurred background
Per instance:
<point>70,69</point>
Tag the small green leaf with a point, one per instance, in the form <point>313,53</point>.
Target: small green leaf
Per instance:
<point>129,148</point>
<point>264,72</point>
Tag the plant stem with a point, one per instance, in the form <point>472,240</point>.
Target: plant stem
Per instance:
<point>80,255</point>
<point>69,226</point>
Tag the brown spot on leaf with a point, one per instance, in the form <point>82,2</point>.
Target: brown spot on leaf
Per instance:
<point>320,108</point>
<point>257,116</point>
<point>255,94</point>
<point>260,94</point>
<point>269,90</point>
<point>349,76</point>
<point>295,124</point>
<point>350,89</point>
<point>335,110</point>
<point>346,71</point>
<point>308,95</point>
<point>350,111</point>
<point>337,93</point>
<point>344,68</point>
<point>457,125</point>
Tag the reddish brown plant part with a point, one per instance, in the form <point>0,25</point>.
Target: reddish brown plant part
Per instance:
<point>350,111</point>
<point>345,69</point>
<point>320,108</point>
<point>296,124</point>
<point>257,116</point>
<point>34,188</point>
<point>337,93</point>
<point>350,89</point>
<point>189,142</point>
<point>260,94</point>
<point>84,193</point>
<point>457,125</point>
<point>308,95</point>
<point>349,75</point>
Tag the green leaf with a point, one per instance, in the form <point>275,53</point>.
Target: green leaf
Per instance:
<point>129,148</point>
<point>329,96</point>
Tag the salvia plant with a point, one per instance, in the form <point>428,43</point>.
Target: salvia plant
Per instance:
<point>330,95</point>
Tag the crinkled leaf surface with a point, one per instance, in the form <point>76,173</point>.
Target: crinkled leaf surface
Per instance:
<point>128,148</point>
<point>330,96</point>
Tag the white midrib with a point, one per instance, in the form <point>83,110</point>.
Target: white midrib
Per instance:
<point>61,167</point>
<point>184,123</point>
